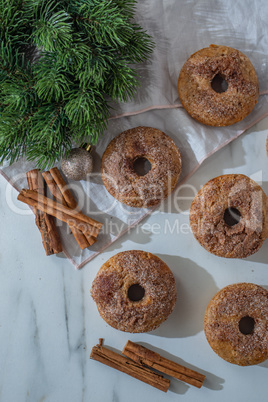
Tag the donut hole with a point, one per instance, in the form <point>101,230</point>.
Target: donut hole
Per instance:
<point>246,325</point>
<point>135,292</point>
<point>142,166</point>
<point>219,84</point>
<point>231,216</point>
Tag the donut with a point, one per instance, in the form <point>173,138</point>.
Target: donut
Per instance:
<point>236,324</point>
<point>134,291</point>
<point>218,86</point>
<point>229,216</point>
<point>125,183</point>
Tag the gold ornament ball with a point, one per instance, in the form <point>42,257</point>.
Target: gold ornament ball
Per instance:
<point>78,164</point>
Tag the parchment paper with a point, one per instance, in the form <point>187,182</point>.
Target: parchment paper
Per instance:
<point>179,28</point>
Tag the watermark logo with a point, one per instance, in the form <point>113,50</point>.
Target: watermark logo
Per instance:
<point>95,201</point>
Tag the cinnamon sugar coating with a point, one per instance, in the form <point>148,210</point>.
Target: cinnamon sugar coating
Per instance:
<point>115,277</point>
<point>221,324</point>
<point>122,181</point>
<point>208,106</point>
<point>207,216</point>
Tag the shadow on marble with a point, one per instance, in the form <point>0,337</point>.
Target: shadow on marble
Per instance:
<point>182,197</point>
<point>143,238</point>
<point>264,364</point>
<point>61,256</point>
<point>264,186</point>
<point>260,256</point>
<point>195,287</point>
<point>211,381</point>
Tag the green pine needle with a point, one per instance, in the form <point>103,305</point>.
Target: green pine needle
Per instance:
<point>52,32</point>
<point>61,63</point>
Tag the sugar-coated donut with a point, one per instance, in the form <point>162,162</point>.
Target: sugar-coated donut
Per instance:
<point>119,175</point>
<point>229,216</point>
<point>127,275</point>
<point>236,324</point>
<point>210,106</point>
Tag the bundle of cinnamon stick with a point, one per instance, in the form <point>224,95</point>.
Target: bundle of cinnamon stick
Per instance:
<point>84,228</point>
<point>140,361</point>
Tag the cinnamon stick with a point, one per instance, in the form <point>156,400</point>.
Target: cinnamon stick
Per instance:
<point>44,222</point>
<point>72,218</point>
<point>67,195</point>
<point>147,357</point>
<point>61,197</point>
<point>61,208</point>
<point>125,365</point>
<point>52,185</point>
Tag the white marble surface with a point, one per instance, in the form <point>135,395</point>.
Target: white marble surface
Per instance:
<point>49,323</point>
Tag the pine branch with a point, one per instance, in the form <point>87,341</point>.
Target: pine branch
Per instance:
<point>61,62</point>
<point>138,45</point>
<point>121,82</point>
<point>51,80</point>
<point>76,55</point>
<point>49,135</point>
<point>87,106</point>
<point>13,136</point>
<point>52,31</point>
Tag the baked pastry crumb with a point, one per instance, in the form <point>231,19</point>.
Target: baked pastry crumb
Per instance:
<point>118,304</point>
<point>218,107</point>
